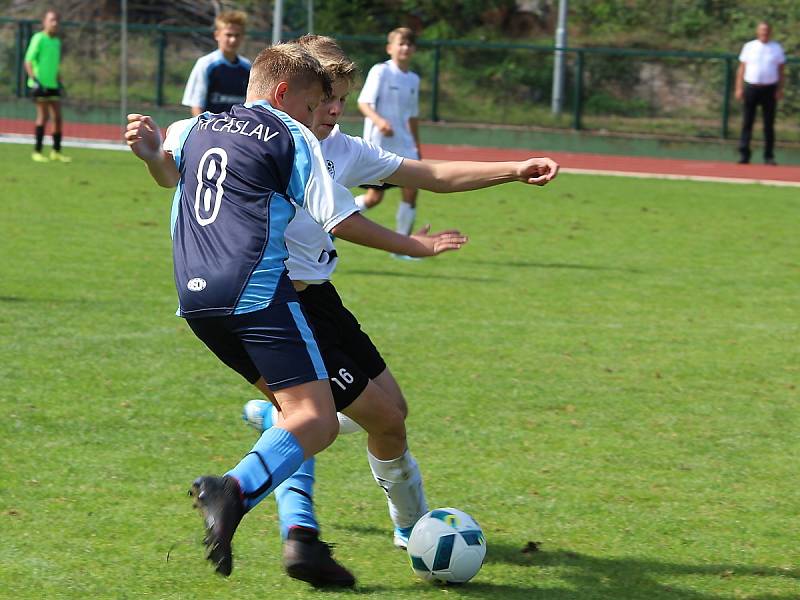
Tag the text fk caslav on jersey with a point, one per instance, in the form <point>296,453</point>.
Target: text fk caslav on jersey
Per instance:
<point>227,125</point>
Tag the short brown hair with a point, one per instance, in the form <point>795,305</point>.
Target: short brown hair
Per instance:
<point>288,62</point>
<point>330,55</point>
<point>404,33</point>
<point>230,17</point>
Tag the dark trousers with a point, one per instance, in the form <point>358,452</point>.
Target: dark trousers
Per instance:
<point>753,96</point>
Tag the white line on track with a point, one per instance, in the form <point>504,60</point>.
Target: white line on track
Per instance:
<point>79,143</point>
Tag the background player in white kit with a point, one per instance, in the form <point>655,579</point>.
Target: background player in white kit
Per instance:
<point>389,102</point>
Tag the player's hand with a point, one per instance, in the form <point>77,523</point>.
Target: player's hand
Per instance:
<point>436,243</point>
<point>144,137</point>
<point>37,85</point>
<point>537,171</point>
<point>385,128</point>
<point>739,93</point>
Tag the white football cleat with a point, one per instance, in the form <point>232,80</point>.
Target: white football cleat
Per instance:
<point>261,415</point>
<point>401,535</point>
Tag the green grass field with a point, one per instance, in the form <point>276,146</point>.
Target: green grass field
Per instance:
<point>609,368</point>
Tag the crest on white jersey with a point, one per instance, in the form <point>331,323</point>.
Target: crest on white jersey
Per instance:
<point>331,168</point>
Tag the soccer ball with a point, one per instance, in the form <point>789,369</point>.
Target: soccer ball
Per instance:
<point>446,545</point>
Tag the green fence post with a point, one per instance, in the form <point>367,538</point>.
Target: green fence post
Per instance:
<point>437,55</point>
<point>19,58</point>
<point>577,100</point>
<point>162,45</point>
<point>726,101</point>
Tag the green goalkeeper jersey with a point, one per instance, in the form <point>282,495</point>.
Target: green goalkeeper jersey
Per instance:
<point>44,54</point>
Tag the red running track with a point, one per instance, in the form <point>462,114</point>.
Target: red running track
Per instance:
<point>574,161</point>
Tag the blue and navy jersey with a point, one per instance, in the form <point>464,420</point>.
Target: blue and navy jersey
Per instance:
<point>242,172</point>
<point>216,84</point>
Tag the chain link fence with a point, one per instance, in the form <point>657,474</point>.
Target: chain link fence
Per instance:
<point>686,94</point>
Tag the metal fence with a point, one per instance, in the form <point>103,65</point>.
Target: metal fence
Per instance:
<point>609,89</point>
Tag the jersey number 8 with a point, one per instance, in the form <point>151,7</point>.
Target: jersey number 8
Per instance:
<point>211,172</point>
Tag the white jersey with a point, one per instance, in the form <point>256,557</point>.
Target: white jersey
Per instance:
<point>761,62</point>
<point>351,161</point>
<point>394,94</point>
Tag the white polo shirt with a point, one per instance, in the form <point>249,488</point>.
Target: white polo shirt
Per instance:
<point>761,62</point>
<point>394,94</point>
<point>351,161</point>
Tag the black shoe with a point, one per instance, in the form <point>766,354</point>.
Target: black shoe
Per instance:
<point>309,559</point>
<point>770,161</point>
<point>744,161</point>
<point>219,499</point>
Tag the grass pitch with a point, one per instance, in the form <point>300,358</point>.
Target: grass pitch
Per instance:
<point>608,369</point>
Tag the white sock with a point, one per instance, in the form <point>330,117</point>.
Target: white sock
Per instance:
<point>401,480</point>
<point>359,200</point>
<point>405,218</point>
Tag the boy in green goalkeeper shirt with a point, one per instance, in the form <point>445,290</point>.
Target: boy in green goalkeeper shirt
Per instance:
<point>42,60</point>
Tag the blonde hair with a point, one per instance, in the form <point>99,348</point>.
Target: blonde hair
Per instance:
<point>330,55</point>
<point>289,62</point>
<point>404,34</point>
<point>230,17</point>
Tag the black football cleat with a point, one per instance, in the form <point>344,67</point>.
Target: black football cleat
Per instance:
<point>219,499</point>
<point>309,559</point>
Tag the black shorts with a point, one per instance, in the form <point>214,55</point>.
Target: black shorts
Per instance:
<point>351,358</point>
<point>383,187</point>
<point>44,93</point>
<point>275,343</point>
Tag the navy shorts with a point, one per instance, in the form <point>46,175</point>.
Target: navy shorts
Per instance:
<point>351,358</point>
<point>275,343</point>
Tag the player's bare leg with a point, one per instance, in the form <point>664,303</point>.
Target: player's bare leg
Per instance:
<point>372,197</point>
<point>391,388</point>
<point>309,426</point>
<point>383,416</point>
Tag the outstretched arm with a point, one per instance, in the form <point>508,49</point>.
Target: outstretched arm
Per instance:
<point>358,229</point>
<point>460,176</point>
<point>144,138</point>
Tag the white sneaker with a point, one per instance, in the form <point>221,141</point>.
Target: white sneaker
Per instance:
<point>259,414</point>
<point>405,257</point>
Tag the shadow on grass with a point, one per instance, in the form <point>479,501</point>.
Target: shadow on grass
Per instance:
<point>410,275</point>
<point>566,266</point>
<point>622,578</point>
<point>588,577</point>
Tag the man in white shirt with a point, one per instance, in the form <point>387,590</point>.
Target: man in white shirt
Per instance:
<point>759,80</point>
<point>389,102</point>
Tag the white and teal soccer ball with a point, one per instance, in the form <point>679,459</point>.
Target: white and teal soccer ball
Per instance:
<point>446,545</point>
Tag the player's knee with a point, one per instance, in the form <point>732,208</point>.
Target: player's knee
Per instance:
<point>327,428</point>
<point>393,424</point>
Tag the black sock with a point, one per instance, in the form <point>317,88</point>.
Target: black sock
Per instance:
<point>57,142</point>
<point>39,137</point>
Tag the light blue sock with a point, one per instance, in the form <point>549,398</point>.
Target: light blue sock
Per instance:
<point>295,500</point>
<point>276,455</point>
